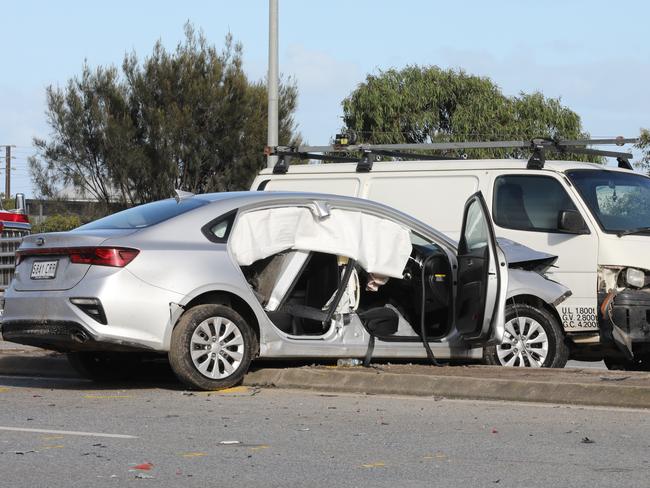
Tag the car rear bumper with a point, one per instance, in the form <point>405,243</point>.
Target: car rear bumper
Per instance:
<point>137,315</point>
<point>63,336</point>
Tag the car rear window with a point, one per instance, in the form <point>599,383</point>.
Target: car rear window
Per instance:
<point>145,215</point>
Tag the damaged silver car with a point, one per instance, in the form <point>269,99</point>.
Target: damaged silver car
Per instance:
<point>218,280</point>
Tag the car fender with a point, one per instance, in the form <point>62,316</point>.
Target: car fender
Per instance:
<point>177,309</point>
<point>521,282</point>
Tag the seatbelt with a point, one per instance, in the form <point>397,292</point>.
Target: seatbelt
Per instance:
<point>370,350</point>
<point>423,331</point>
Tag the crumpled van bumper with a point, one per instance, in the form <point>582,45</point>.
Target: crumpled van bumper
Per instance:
<point>625,320</point>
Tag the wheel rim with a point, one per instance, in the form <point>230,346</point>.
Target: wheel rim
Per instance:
<point>525,344</point>
<point>217,347</point>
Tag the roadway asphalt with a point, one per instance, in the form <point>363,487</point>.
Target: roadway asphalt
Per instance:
<point>82,435</point>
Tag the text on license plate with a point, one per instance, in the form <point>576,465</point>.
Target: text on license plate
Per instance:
<point>43,270</point>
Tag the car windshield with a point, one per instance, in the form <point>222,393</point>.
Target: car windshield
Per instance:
<point>145,215</point>
<point>619,201</point>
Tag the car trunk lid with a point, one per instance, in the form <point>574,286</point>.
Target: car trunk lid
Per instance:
<point>45,259</point>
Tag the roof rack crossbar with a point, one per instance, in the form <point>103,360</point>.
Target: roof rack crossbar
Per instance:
<point>428,157</point>
<point>598,152</point>
<point>364,162</point>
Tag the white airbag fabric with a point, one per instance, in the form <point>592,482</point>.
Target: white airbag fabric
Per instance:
<point>378,245</point>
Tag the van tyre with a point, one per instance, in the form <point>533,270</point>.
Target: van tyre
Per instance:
<point>533,338</point>
<point>637,364</point>
<point>104,366</point>
<point>212,347</point>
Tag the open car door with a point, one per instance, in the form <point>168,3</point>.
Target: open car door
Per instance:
<point>482,277</point>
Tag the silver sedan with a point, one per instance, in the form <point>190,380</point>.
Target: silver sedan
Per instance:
<point>217,280</point>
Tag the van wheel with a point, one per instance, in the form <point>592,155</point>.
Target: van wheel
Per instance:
<point>533,339</point>
<point>211,347</point>
<point>636,364</point>
<point>104,366</point>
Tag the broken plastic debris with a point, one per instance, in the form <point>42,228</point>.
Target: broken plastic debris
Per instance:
<point>587,440</point>
<point>143,467</point>
<point>229,443</point>
<point>348,363</point>
<point>494,431</point>
<point>143,476</point>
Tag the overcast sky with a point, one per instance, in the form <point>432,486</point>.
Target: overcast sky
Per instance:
<point>595,55</point>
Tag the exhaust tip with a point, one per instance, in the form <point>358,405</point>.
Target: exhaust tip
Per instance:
<point>80,336</point>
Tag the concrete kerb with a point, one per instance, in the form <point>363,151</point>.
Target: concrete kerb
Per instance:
<point>615,389</point>
<point>351,380</point>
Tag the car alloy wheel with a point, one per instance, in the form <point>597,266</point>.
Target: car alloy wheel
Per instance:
<point>212,347</point>
<point>533,338</point>
<point>217,347</point>
<point>525,343</point>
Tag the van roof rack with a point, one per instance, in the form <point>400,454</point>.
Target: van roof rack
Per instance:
<point>365,154</point>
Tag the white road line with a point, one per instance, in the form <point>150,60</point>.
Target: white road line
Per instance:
<point>70,432</point>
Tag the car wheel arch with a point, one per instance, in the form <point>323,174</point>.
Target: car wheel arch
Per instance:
<point>223,297</point>
<point>537,302</point>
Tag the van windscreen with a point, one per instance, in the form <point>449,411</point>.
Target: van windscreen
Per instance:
<point>619,201</point>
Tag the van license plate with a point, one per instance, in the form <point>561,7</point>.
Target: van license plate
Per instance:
<point>44,270</point>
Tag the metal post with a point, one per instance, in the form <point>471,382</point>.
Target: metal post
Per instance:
<point>273,81</point>
<point>8,175</point>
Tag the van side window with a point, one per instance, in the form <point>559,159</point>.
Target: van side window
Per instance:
<point>532,202</point>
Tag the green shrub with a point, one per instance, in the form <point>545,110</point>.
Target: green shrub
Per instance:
<point>57,223</point>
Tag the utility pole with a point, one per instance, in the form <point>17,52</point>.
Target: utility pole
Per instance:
<point>8,170</point>
<point>273,81</point>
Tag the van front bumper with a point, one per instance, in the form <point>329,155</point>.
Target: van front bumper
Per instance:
<point>625,320</point>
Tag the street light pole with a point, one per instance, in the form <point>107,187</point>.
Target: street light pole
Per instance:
<point>273,81</point>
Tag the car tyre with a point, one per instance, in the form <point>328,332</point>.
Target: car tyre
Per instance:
<point>212,347</point>
<point>533,338</point>
<point>104,366</point>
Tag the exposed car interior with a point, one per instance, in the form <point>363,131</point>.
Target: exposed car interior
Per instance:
<point>298,289</point>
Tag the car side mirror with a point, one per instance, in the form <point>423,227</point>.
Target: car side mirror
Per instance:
<point>572,222</point>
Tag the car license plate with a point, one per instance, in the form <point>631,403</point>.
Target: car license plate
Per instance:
<point>44,270</point>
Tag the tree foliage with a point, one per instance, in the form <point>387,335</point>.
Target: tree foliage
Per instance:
<point>644,146</point>
<point>429,104</point>
<point>57,223</point>
<point>188,119</point>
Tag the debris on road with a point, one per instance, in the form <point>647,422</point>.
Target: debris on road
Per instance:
<point>144,476</point>
<point>587,440</point>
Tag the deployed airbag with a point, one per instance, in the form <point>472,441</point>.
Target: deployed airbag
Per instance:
<point>379,246</point>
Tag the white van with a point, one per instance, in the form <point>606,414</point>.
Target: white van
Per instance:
<point>596,219</point>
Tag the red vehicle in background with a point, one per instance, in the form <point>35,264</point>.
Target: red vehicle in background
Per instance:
<point>14,225</point>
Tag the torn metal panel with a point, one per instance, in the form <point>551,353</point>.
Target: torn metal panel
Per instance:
<point>523,257</point>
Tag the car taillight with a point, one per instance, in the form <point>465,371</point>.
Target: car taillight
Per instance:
<point>99,256</point>
<point>14,217</point>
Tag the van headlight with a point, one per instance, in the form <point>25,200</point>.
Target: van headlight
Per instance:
<point>635,277</point>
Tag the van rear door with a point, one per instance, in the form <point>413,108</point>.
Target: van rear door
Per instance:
<point>482,277</point>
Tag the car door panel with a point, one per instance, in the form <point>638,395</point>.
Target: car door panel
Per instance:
<point>481,278</point>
